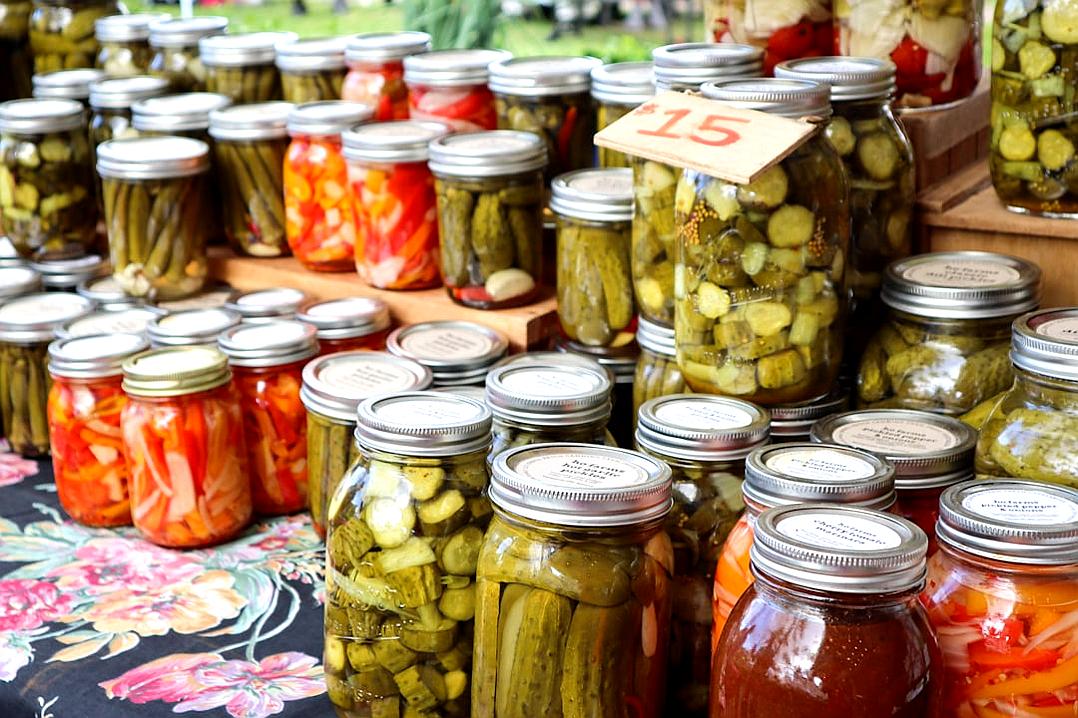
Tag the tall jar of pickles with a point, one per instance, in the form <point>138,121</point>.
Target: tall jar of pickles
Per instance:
<point>619,88</point>
<point>62,32</point>
<point>312,70</point>
<point>657,373</point>
<point>175,44</point>
<point>15,54</point>
<point>760,298</point>
<point>125,43</point>
<point>573,591</point>
<point>450,86</point>
<point>242,66</point>
<point>68,85</point>
<point>376,71</point>
<point>405,528</point>
<point>704,440</point>
<point>490,205</point>
<point>348,323</point>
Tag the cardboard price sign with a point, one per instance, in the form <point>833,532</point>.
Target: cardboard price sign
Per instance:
<point>706,135</point>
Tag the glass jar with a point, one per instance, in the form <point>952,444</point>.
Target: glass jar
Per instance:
<point>573,588</point>
<point>175,44</point>
<point>249,146</point>
<point>191,327</point>
<point>686,66</point>
<point>348,323</point>
<point>15,52</point>
<point>65,275</point>
<point>405,528</point>
<point>761,298</point>
<point>943,346</point>
<point>129,320</point>
<point>789,474</point>
<point>183,437</point>
<point>312,70</point>
<point>450,86</point>
<point>832,626</point>
<point>242,66</point>
<point>27,324</point>
<point>62,32</point>
<point>84,407</point>
<point>395,205</point>
<point>618,89</point>
<point>319,212</point>
<point>704,440</point>
<point>68,85</point>
<point>124,42</point>
<point>929,453</point>
<point>46,178</point>
<point>267,362</point>
<point>490,208</point>
<point>783,32</point>
<point>657,372</point>
<point>214,294</point>
<point>157,211</point>
<point>594,210</point>
<point>333,387</point>
<point>106,293</point>
<point>456,352</point>
<point>111,102</point>
<point>793,422</point>
<point>376,71</point>
<point>261,305</point>
<point>186,114</point>
<point>1001,595</point>
<point>620,363</point>
<point>549,97</point>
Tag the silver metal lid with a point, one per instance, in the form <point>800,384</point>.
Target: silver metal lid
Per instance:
<point>162,157</point>
<point>212,296</point>
<point>552,358</point>
<point>36,116</point>
<point>402,141</point>
<point>688,65</point>
<point>850,78</point>
<point>581,485</point>
<point>623,83</point>
<point>119,93</point>
<point>491,153</point>
<point>786,98</point>
<point>126,28</point>
<point>448,348</point>
<point>95,355</point>
<point>271,343</point>
<point>800,473</point>
<point>107,293</point>
<point>598,195</point>
<point>451,68</point>
<point>423,423</point>
<point>130,320</point>
<point>9,256</point>
<point>471,391</point>
<point>177,113</point>
<point>840,549</point>
<point>1023,522</point>
<point>656,338</point>
<point>793,422</point>
<point>67,84</point>
<point>346,318</point>
<point>700,427</point>
<point>191,327</point>
<point>1046,342</point>
<point>927,450</point>
<point>311,55</point>
<point>16,280</point>
<point>329,117</point>
<point>335,384</point>
<point>34,318</point>
<point>275,302</point>
<point>246,123</point>
<point>549,395</point>
<point>186,31</point>
<point>69,273</point>
<point>243,50</point>
<point>620,360</point>
<point>542,75</point>
<point>385,46</point>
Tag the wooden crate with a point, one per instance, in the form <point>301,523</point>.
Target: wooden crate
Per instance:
<point>526,327</point>
<point>945,141</point>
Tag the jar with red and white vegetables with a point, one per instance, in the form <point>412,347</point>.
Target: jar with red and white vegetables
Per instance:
<point>450,86</point>
<point>376,71</point>
<point>784,29</point>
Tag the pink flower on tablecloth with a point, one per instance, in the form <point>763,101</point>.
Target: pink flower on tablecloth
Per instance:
<point>169,678</point>
<point>26,603</point>
<point>15,653</point>
<point>14,468</point>
<point>104,565</point>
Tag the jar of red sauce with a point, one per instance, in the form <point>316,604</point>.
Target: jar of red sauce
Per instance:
<point>450,86</point>
<point>376,71</point>
<point>348,323</point>
<point>832,626</point>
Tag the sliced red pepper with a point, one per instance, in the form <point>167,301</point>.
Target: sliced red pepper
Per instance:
<point>984,655</point>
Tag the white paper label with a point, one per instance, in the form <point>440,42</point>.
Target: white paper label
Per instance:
<point>428,412</point>
<point>360,377</point>
<point>1021,507</point>
<point>582,471</point>
<point>702,414</point>
<point>821,464</point>
<point>1064,329</point>
<point>446,344</point>
<point>961,273</point>
<point>845,533</point>
<point>891,437</point>
<point>547,382</point>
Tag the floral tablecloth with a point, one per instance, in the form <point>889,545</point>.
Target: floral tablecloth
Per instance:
<point>98,623</point>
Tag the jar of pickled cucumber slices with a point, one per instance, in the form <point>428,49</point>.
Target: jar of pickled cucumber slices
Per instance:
<point>619,88</point>
<point>657,373</point>
<point>348,323</point>
<point>176,57</point>
<point>242,66</point>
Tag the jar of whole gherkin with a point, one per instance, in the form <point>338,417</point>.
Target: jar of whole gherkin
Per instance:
<point>128,320</point>
<point>62,32</point>
<point>124,42</point>
<point>312,70</point>
<point>490,208</point>
<point>450,86</point>
<point>271,303</point>
<point>46,178</point>
<point>618,89</point>
<point>760,298</point>
<point>15,54</point>
<point>68,85</point>
<point>574,584</point>
<point>348,323</point>
<point>186,114</point>
<point>157,206</point>
<point>944,344</point>
<point>376,71</point>
<point>242,66</point>
<point>65,275</point>
<point>191,327</point>
<point>594,210</point>
<point>249,145</point>
<point>456,352</point>
<point>175,44</point>
<point>657,373</point>
<point>682,67</point>
<point>333,387</point>
<point>549,97</point>
<point>27,324</point>
<point>704,440</point>
<point>793,422</point>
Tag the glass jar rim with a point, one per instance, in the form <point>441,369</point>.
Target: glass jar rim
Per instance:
<point>799,472</point>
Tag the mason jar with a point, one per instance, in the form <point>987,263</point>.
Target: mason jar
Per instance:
<point>657,373</point>
<point>312,70</point>
<point>16,280</point>
<point>793,422</point>
<point>186,114</point>
<point>450,86</point>
<point>111,100</point>
<point>376,71</point>
<point>15,54</point>
<point>760,297</point>
<point>490,207</point>
<point>106,293</point>
<point>333,387</point>
<point>618,89</point>
<point>457,353</point>
<point>686,66</point>
<point>242,66</point>
<point>128,320</point>
<point>176,56</point>
<point>68,85</point>
<point>781,32</point>
<point>124,42</point>
<point>944,343</point>
<point>65,275</point>
<point>214,294</point>
<point>573,592</point>
<point>395,203</point>
<point>191,327</point>
<point>348,323</point>
<point>261,305</point>
<point>704,440</point>
<point>62,32</point>
<point>620,363</point>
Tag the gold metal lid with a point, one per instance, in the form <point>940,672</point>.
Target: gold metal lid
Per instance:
<point>174,371</point>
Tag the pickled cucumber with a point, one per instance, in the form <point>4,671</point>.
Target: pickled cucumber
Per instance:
<point>62,36</point>
<point>298,88</point>
<point>251,178</point>
<point>656,375</point>
<point>565,122</point>
<point>246,84</point>
<point>24,394</point>
<point>595,298</point>
<point>653,239</point>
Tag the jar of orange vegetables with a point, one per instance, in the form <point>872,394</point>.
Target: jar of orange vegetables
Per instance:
<point>376,70</point>
<point>319,218</point>
<point>84,407</point>
<point>395,205</point>
<point>348,323</point>
<point>450,86</point>
<point>183,438</point>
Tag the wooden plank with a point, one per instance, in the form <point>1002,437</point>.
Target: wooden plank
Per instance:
<point>957,188</point>
<point>983,212</point>
<point>948,139</point>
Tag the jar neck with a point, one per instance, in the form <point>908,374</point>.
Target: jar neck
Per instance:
<point>477,456</point>
<point>733,465</point>
<point>783,592</point>
<point>1045,388</point>
<point>1001,325</point>
<point>589,429</point>
<point>617,535</point>
<point>1018,569</point>
<point>213,393</point>
<point>108,379</point>
<point>296,366</point>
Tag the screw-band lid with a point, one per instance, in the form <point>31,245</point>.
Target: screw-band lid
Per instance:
<point>94,356</point>
<point>335,384</point>
<point>818,473</point>
<point>423,423</point>
<point>701,427</point>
